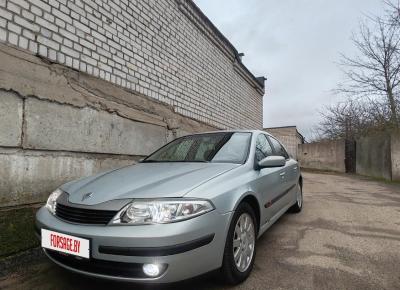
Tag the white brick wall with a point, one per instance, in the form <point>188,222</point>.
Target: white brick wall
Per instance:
<point>161,49</point>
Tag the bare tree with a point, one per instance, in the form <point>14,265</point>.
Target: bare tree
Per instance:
<point>375,72</point>
<point>393,12</point>
<point>351,119</point>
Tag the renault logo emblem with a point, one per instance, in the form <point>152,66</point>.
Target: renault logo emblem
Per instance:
<point>87,195</point>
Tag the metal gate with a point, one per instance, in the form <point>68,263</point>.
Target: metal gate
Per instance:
<point>350,156</point>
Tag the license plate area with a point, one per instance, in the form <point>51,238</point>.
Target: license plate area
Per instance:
<point>66,244</point>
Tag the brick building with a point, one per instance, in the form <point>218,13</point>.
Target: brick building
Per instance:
<point>91,85</point>
<point>167,50</point>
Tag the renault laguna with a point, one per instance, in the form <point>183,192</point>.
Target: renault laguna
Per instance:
<point>196,205</point>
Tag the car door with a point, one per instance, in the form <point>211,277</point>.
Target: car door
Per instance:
<point>269,180</point>
<point>289,174</point>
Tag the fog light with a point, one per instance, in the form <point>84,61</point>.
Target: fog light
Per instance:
<point>152,270</point>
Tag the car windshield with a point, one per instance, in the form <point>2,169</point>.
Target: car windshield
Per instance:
<point>213,147</point>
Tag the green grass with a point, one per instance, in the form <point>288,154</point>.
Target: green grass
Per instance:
<point>17,230</point>
<point>321,171</point>
<point>365,177</point>
<point>381,179</point>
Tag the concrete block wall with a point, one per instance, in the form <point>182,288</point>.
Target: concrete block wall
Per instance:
<point>329,155</point>
<point>44,144</point>
<point>377,155</point>
<point>51,126</point>
<point>395,155</point>
<point>373,156</point>
<point>165,50</point>
<point>11,111</point>
<point>28,176</point>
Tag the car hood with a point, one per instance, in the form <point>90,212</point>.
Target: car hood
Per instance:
<point>144,180</point>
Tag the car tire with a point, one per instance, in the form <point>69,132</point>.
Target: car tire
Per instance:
<point>298,206</point>
<point>230,272</point>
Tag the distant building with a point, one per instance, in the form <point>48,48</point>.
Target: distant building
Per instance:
<point>289,136</point>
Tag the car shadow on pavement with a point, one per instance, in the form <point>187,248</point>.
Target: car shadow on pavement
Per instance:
<point>70,281</point>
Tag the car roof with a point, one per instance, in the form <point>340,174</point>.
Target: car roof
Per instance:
<point>232,131</point>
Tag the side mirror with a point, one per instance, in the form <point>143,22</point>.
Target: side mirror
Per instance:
<point>272,161</point>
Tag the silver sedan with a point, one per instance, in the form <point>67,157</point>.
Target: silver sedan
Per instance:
<point>196,205</point>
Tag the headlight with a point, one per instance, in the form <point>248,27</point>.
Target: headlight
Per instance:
<point>51,201</point>
<point>161,211</point>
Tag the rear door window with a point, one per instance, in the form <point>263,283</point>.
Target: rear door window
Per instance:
<point>263,148</point>
<point>278,148</point>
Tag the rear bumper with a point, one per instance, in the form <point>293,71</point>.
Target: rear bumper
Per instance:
<point>185,249</point>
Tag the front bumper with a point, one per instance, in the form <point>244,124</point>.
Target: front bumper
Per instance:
<point>187,249</point>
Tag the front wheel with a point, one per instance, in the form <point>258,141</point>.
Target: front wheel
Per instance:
<point>298,206</point>
<point>240,244</point>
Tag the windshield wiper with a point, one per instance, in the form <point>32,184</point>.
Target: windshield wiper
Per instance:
<point>175,161</point>
<point>154,161</point>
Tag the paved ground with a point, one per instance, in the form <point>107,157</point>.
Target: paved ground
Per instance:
<point>347,237</point>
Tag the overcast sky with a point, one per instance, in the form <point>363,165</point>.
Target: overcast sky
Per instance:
<point>296,44</point>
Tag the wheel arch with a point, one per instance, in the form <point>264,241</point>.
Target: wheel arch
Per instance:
<point>252,200</point>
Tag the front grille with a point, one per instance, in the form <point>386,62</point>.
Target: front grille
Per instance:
<point>96,266</point>
<point>83,215</point>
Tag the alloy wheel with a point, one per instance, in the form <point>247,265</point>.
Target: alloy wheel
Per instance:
<point>243,242</point>
<point>299,196</point>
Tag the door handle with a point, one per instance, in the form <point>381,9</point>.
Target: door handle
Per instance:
<point>295,168</point>
<point>282,174</point>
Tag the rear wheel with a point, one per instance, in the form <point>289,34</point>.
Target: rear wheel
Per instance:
<point>240,244</point>
<point>298,206</point>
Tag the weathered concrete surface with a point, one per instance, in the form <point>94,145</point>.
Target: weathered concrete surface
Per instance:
<point>395,155</point>
<point>11,108</point>
<point>51,126</point>
<point>329,155</point>
<point>373,157</point>
<point>29,75</point>
<point>29,176</point>
<point>346,237</point>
